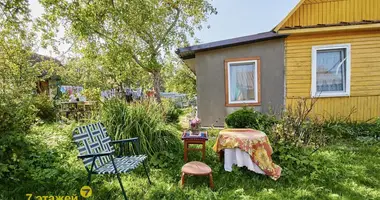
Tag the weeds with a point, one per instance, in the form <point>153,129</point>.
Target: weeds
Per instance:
<point>145,120</point>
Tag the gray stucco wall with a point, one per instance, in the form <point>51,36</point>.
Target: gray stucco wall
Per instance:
<point>210,79</point>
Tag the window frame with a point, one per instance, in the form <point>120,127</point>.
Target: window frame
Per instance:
<point>314,92</point>
<point>227,63</point>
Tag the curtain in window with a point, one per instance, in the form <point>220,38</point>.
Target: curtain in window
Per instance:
<point>242,82</point>
<point>331,70</point>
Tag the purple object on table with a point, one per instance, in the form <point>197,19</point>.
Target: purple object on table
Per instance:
<point>202,135</point>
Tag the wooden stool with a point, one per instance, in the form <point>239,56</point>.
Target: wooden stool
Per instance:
<point>187,149</point>
<point>197,140</point>
<point>196,168</point>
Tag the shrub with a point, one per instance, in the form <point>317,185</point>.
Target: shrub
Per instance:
<point>294,145</point>
<point>309,133</point>
<point>45,108</point>
<point>145,120</point>
<point>297,128</point>
<point>172,112</point>
<point>294,160</point>
<point>48,156</point>
<point>249,118</point>
<point>296,136</point>
<point>17,115</point>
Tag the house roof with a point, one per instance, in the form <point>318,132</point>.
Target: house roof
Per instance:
<point>189,52</point>
<point>37,58</point>
<point>330,15</point>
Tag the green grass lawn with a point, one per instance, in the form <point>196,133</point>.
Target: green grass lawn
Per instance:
<point>347,170</point>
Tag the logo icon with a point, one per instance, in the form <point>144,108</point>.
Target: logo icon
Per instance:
<point>86,191</point>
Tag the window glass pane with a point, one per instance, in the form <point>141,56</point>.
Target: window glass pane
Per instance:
<point>331,70</point>
<point>242,82</point>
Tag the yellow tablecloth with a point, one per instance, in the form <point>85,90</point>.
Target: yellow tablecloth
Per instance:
<point>255,143</point>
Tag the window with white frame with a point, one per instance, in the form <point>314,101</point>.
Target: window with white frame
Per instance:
<point>242,81</point>
<point>331,70</point>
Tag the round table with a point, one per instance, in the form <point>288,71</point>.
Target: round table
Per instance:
<point>196,168</point>
<point>253,142</point>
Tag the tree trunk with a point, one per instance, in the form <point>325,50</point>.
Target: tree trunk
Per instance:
<point>157,85</point>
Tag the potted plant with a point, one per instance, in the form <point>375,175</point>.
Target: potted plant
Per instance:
<point>195,125</point>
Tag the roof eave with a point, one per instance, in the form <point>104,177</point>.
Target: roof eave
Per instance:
<point>189,52</point>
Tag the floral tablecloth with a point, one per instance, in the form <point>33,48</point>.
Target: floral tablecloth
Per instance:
<point>255,143</point>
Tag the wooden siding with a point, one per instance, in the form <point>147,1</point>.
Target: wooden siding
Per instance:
<point>314,12</point>
<point>365,72</point>
<point>355,108</point>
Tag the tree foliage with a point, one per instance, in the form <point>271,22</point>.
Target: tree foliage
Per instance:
<point>20,67</point>
<point>179,78</point>
<point>137,30</point>
<point>17,80</point>
<point>103,70</point>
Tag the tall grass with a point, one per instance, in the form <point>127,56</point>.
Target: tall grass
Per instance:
<point>145,120</point>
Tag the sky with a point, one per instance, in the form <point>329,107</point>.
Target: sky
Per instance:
<point>235,18</point>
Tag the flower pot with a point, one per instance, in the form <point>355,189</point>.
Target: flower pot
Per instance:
<point>195,132</point>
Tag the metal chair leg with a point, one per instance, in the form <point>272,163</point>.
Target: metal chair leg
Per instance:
<point>89,178</point>
<point>90,172</point>
<point>121,185</point>
<point>146,172</point>
<point>118,178</point>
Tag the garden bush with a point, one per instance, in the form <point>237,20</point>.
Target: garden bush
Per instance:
<point>297,128</point>
<point>46,109</point>
<point>17,114</point>
<point>172,112</point>
<point>46,164</point>
<point>294,138</point>
<point>249,118</point>
<point>145,120</point>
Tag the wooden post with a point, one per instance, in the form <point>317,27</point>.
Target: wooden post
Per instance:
<point>203,150</point>
<point>183,179</point>
<point>185,150</point>
<point>211,181</point>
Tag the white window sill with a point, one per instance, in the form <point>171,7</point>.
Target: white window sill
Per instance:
<point>325,95</point>
<point>243,102</point>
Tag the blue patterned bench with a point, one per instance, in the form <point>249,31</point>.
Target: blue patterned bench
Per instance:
<point>98,154</point>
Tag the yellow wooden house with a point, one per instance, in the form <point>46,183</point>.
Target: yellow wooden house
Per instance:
<point>332,53</point>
